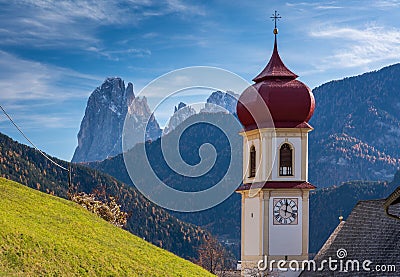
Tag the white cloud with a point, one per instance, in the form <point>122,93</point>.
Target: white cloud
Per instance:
<point>30,121</point>
<point>49,24</point>
<point>322,5</point>
<point>150,35</point>
<point>30,80</point>
<point>184,8</point>
<point>327,7</point>
<point>360,47</point>
<point>56,24</point>
<point>116,55</point>
<point>386,3</point>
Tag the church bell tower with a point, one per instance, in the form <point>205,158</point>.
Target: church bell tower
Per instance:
<point>275,215</point>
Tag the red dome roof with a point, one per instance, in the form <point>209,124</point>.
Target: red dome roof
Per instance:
<point>290,102</point>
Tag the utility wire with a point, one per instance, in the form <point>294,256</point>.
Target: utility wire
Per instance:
<point>34,146</point>
<point>40,151</point>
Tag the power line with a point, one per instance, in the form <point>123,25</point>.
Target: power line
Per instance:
<point>34,146</point>
<point>40,151</point>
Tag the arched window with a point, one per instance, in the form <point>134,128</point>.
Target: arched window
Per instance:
<point>285,160</point>
<point>252,161</point>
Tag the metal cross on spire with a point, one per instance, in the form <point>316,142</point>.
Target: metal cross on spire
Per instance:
<point>275,17</point>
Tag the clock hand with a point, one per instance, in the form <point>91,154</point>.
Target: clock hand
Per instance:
<point>293,214</point>
<point>286,211</point>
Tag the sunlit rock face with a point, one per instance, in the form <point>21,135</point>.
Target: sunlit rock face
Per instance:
<point>100,134</point>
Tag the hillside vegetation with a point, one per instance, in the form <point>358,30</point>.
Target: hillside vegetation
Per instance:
<point>42,234</point>
<point>25,165</point>
<point>356,129</point>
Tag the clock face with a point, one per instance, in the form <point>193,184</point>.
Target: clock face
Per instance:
<point>285,211</point>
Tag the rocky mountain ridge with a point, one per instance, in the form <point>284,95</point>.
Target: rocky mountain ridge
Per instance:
<point>226,100</point>
<point>181,113</point>
<point>100,134</point>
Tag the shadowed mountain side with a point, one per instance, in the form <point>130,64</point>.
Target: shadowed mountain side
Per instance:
<point>357,128</point>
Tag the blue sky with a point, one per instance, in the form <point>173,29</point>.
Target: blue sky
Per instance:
<point>54,54</point>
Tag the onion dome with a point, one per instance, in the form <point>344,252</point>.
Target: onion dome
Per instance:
<point>290,102</point>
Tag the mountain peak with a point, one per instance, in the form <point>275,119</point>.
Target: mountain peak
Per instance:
<point>181,113</point>
<point>225,100</point>
<point>180,106</point>
<point>130,91</point>
<point>100,135</point>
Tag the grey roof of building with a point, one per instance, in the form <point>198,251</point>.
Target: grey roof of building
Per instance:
<point>329,241</point>
<point>368,234</point>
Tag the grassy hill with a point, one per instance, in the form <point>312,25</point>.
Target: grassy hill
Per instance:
<point>42,234</point>
<point>27,166</point>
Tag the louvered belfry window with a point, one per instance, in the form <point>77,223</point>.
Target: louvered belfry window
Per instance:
<point>252,161</point>
<point>285,160</point>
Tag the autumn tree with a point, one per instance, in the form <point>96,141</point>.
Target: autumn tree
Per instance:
<point>108,210</point>
<point>214,257</point>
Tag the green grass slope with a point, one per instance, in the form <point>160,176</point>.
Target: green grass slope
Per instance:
<point>42,235</point>
<point>27,166</point>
